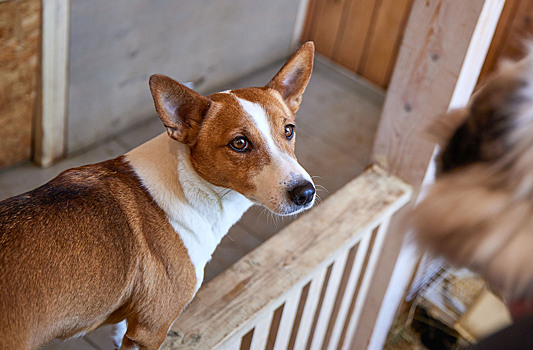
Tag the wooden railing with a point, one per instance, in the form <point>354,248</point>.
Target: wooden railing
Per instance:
<point>304,288</point>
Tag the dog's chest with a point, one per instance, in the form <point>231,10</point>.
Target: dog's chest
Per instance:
<point>201,214</point>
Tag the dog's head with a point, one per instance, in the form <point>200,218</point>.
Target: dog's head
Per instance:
<point>479,213</point>
<point>244,139</point>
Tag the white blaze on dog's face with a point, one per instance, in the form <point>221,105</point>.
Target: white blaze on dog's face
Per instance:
<point>244,139</point>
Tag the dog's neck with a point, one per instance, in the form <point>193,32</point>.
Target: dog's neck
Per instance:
<point>200,212</point>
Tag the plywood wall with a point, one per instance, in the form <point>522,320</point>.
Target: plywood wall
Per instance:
<point>20,23</point>
<point>365,35</point>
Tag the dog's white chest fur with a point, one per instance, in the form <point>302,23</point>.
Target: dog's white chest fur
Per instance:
<point>200,213</point>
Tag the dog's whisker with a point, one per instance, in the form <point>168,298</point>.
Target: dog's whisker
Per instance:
<point>321,188</point>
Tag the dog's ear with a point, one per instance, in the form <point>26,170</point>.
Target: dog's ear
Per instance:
<point>181,109</point>
<point>293,77</point>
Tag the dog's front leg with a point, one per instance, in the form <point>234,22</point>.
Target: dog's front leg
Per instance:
<point>144,337</point>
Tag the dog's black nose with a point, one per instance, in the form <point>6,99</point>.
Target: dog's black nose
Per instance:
<point>302,193</point>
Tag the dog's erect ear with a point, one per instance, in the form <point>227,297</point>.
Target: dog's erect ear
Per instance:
<point>181,109</point>
<point>293,77</point>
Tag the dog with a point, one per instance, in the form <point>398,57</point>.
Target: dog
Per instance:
<point>128,239</point>
<point>479,212</point>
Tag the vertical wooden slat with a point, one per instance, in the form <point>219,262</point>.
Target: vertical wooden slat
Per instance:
<point>375,252</point>
<point>501,36</point>
<point>51,121</point>
<point>341,291</point>
<point>310,309</point>
<point>326,23</point>
<point>329,300</point>
<point>287,320</point>
<point>350,42</point>
<point>274,327</point>
<point>350,291</point>
<point>261,331</point>
<point>298,317</point>
<point>388,29</point>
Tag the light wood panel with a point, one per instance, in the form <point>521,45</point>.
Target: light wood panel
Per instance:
<point>20,23</point>
<point>362,35</point>
<point>50,122</point>
<point>384,41</point>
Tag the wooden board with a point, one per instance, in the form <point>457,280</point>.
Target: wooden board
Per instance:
<point>20,23</point>
<point>384,42</point>
<point>353,35</point>
<point>258,281</point>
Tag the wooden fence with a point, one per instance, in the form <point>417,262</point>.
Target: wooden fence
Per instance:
<point>304,288</point>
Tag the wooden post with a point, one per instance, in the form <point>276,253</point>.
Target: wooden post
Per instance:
<point>49,139</point>
<point>441,55</point>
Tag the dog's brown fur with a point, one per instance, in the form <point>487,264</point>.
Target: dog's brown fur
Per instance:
<point>111,248</point>
<point>479,213</point>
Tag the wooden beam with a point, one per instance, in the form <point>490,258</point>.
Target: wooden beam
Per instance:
<point>440,58</point>
<point>49,139</point>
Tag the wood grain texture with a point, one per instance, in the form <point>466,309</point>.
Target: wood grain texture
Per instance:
<point>382,44</point>
<point>362,35</point>
<point>258,283</point>
<point>20,23</point>
<point>357,21</point>
<point>326,24</point>
<point>439,38</point>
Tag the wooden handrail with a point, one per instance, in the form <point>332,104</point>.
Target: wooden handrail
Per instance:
<point>228,306</point>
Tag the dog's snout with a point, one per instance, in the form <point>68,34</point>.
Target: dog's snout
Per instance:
<point>302,193</point>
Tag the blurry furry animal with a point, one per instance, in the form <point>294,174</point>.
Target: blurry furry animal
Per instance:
<point>479,213</point>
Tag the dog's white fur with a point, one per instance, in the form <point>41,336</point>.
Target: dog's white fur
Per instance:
<point>199,212</point>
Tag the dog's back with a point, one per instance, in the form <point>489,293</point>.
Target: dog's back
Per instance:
<point>87,263</point>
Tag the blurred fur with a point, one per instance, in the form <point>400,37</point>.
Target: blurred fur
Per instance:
<point>479,213</point>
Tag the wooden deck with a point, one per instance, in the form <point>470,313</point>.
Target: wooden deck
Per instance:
<point>335,130</point>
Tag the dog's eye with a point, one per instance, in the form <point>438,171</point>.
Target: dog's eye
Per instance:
<point>289,131</point>
<point>240,144</point>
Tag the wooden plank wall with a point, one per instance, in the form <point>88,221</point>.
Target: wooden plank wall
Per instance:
<point>364,35</point>
<point>20,25</point>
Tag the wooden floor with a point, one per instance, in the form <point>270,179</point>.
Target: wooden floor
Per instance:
<point>335,129</point>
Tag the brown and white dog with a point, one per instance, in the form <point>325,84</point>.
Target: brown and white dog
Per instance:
<point>479,213</point>
<point>128,238</point>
